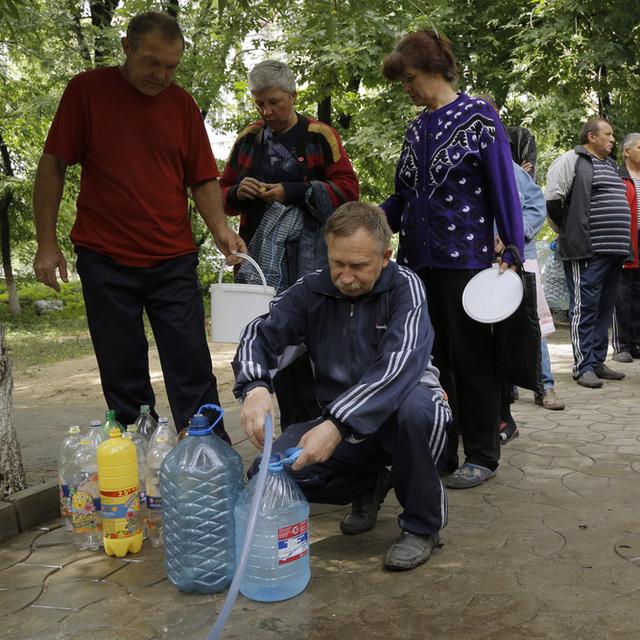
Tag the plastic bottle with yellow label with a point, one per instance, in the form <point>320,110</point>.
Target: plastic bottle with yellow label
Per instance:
<point>119,495</point>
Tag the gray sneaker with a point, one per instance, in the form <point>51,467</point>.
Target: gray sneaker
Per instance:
<point>410,550</point>
<point>469,475</point>
<point>590,380</point>
<point>622,356</point>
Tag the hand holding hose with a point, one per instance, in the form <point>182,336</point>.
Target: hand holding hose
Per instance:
<point>257,404</point>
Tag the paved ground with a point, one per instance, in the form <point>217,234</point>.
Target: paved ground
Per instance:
<point>549,549</point>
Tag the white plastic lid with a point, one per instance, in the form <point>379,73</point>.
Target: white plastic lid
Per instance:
<point>491,296</point>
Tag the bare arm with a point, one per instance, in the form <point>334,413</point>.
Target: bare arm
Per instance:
<point>47,193</point>
<point>208,198</point>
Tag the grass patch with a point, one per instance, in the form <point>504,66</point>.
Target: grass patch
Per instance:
<point>57,336</point>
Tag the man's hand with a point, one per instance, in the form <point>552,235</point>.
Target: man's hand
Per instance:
<point>250,189</point>
<point>318,444</point>
<point>272,192</point>
<point>257,404</point>
<point>229,243</point>
<point>49,258</point>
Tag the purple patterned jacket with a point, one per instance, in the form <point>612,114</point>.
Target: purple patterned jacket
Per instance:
<point>453,180</point>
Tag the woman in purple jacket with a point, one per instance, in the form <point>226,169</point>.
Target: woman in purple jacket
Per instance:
<point>454,179</point>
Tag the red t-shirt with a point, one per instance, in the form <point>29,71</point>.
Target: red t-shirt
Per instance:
<point>138,155</point>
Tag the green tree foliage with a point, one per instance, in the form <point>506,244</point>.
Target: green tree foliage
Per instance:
<point>550,63</point>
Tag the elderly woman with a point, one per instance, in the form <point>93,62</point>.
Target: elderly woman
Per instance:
<point>454,179</point>
<point>285,176</point>
<point>292,167</point>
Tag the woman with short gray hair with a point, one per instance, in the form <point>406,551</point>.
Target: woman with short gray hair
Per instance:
<point>284,177</point>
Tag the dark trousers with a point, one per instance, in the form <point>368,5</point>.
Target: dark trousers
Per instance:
<point>625,327</point>
<point>463,351</point>
<point>411,441</point>
<point>592,287</point>
<point>294,387</point>
<point>115,298</point>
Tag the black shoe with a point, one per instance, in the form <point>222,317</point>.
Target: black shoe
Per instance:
<point>635,351</point>
<point>364,509</point>
<point>589,379</point>
<point>410,550</point>
<point>602,371</point>
<point>507,431</point>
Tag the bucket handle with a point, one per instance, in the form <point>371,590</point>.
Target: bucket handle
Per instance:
<point>249,259</point>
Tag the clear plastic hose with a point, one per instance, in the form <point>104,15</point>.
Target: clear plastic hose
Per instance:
<point>246,545</point>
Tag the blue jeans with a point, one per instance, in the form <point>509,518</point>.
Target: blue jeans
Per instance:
<point>547,376</point>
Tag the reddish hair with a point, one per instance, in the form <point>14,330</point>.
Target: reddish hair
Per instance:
<point>425,50</point>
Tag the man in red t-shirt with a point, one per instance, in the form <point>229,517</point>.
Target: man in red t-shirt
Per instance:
<point>141,142</point>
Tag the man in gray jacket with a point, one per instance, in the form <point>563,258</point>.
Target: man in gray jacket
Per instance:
<point>587,206</point>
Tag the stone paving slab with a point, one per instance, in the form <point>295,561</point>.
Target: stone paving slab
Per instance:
<point>549,549</point>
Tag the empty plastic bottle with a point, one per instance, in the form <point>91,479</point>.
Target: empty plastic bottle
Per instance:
<point>141,460</point>
<point>110,422</point>
<point>155,456</point>
<point>200,481</point>
<point>146,424</point>
<point>278,563</point>
<point>85,491</point>
<point>67,451</point>
<point>163,429</point>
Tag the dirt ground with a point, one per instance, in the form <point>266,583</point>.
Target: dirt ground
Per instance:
<point>47,399</point>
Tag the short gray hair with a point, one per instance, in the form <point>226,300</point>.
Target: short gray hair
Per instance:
<point>630,139</point>
<point>353,216</point>
<point>271,73</point>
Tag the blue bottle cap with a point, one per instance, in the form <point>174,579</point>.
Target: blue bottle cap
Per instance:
<point>199,426</point>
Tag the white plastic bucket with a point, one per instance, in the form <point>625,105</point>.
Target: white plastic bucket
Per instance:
<point>235,305</point>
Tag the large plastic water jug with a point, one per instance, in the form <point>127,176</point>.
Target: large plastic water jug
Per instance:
<point>278,564</point>
<point>200,481</point>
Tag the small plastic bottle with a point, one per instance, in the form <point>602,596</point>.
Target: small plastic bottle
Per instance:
<point>110,422</point>
<point>163,429</point>
<point>146,424</point>
<point>278,564</point>
<point>119,495</point>
<point>85,491</point>
<point>155,456</point>
<point>67,451</point>
<point>141,459</point>
<point>200,481</point>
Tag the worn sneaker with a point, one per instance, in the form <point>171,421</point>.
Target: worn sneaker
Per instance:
<point>410,550</point>
<point>622,356</point>
<point>589,379</point>
<point>635,351</point>
<point>602,371</point>
<point>364,509</point>
<point>469,475</point>
<point>549,400</point>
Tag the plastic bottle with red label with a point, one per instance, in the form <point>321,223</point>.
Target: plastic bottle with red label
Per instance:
<point>278,566</point>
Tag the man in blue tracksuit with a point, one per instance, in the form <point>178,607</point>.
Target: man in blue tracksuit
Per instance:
<point>365,323</point>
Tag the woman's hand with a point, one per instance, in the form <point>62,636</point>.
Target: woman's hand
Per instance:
<point>249,189</point>
<point>272,192</point>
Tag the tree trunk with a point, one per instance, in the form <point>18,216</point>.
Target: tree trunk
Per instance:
<point>324,110</point>
<point>5,238</point>
<point>5,244</point>
<point>12,476</point>
<point>101,15</point>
